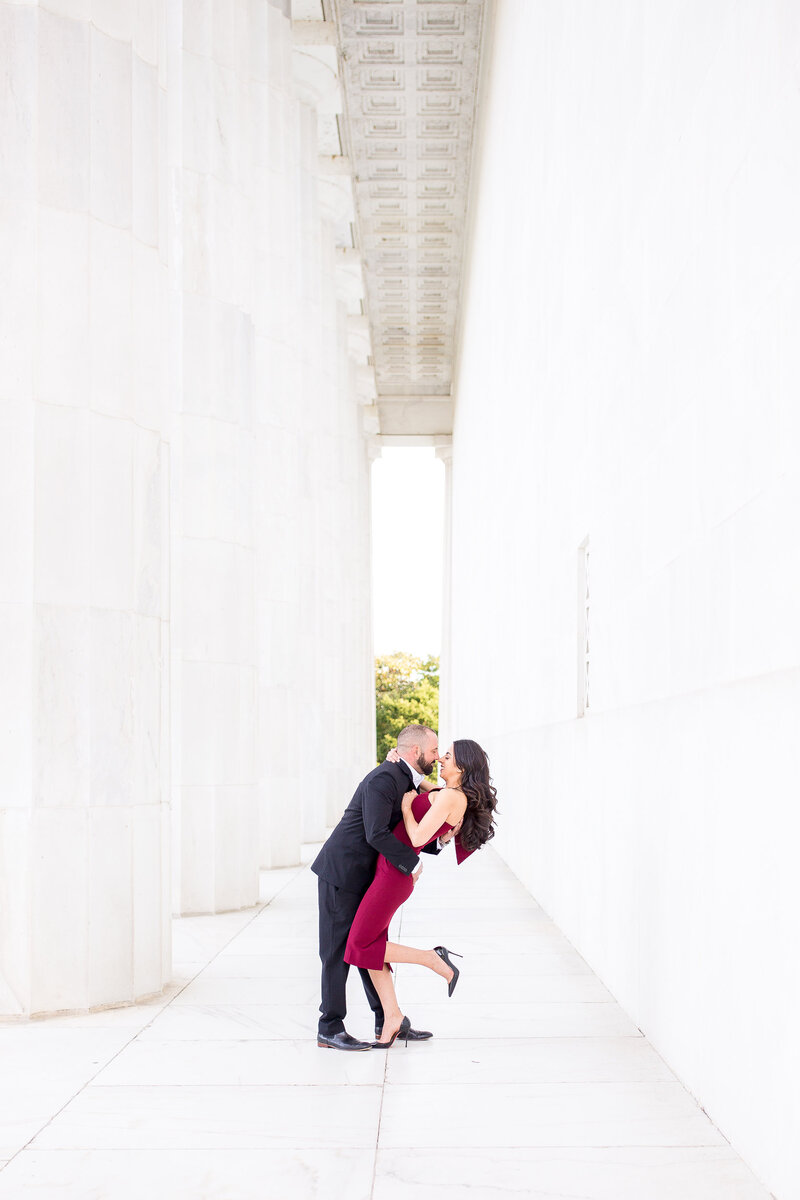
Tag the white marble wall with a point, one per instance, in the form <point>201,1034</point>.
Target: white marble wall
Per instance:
<point>185,536</point>
<point>629,371</point>
<point>84,689</point>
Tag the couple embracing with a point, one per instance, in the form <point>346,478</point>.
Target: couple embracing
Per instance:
<point>370,863</point>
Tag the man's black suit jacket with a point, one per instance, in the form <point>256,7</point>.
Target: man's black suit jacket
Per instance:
<point>348,858</point>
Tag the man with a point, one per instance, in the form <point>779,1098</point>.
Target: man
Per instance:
<point>346,867</point>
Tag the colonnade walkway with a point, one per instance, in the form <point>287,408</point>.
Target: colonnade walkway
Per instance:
<point>536,1083</point>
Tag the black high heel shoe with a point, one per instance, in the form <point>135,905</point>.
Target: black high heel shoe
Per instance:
<point>444,954</point>
<point>403,1031</point>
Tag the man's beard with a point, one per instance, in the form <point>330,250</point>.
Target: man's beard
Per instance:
<point>424,766</point>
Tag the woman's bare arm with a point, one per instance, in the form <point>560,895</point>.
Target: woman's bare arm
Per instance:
<point>440,811</point>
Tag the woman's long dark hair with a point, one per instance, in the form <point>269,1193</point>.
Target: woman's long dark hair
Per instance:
<point>477,826</point>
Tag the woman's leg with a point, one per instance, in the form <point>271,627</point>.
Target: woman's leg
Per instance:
<point>395,953</point>
<point>392,1017</point>
<point>384,985</point>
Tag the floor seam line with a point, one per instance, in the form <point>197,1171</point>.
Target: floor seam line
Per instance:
<point>383,1087</point>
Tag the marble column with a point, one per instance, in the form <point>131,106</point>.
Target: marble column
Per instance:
<point>214,648</point>
<point>186,585</point>
<point>312,527</point>
<point>446,730</point>
<point>84,476</point>
<point>282,576</point>
<point>349,709</point>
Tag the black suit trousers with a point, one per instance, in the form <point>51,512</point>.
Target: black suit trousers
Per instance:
<point>337,910</point>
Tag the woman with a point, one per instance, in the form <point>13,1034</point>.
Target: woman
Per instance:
<point>464,807</point>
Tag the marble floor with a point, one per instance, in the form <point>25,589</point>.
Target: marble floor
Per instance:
<point>536,1083</point>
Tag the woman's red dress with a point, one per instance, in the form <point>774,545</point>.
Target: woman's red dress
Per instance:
<point>369,933</point>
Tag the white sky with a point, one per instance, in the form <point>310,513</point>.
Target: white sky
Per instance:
<point>407,492</point>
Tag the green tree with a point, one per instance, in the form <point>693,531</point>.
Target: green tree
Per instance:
<point>406,693</point>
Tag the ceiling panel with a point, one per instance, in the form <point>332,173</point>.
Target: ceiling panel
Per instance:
<point>410,73</point>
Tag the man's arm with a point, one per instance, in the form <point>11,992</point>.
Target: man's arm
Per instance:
<point>378,804</point>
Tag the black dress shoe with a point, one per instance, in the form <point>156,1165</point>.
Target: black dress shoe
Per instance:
<point>342,1041</point>
<point>414,1035</point>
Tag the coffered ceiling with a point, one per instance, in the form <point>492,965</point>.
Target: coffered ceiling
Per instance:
<point>409,70</point>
